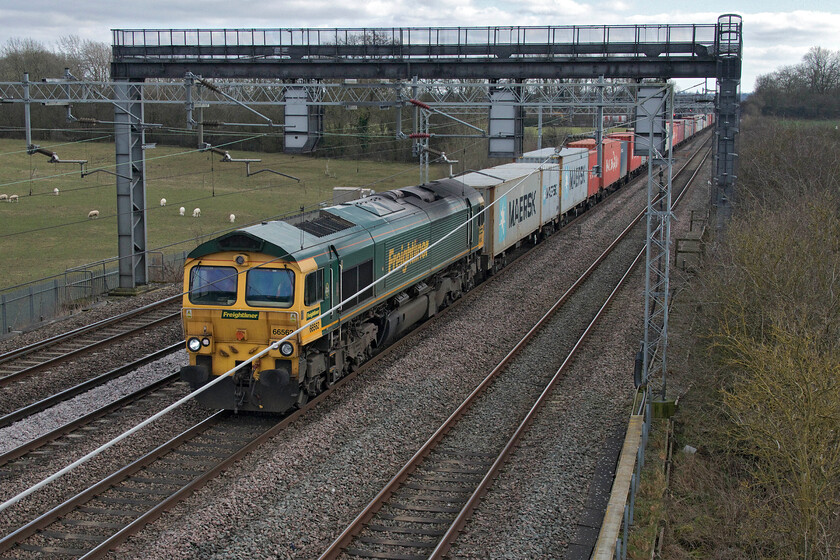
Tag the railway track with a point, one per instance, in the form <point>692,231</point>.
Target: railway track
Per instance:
<point>17,364</point>
<point>423,508</point>
<point>52,400</point>
<point>21,458</point>
<point>153,484</point>
<point>92,523</point>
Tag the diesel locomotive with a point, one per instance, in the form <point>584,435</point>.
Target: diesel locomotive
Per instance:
<point>254,286</point>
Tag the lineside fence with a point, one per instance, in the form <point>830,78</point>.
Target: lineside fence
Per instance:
<point>612,539</point>
<point>25,306</point>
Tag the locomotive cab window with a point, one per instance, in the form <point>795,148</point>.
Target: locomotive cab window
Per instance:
<point>313,290</point>
<point>270,287</point>
<point>213,285</point>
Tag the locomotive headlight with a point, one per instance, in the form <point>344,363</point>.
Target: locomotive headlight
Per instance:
<point>287,349</point>
<point>205,341</point>
<point>194,344</point>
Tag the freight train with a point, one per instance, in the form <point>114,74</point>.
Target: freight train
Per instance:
<point>255,286</point>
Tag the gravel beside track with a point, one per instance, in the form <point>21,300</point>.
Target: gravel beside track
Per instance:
<point>41,423</point>
<point>533,506</point>
<point>290,499</point>
<point>104,309</point>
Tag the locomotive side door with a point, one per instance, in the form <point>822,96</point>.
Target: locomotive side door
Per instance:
<point>470,224</point>
<point>333,292</point>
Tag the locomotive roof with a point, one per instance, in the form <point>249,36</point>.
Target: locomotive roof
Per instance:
<point>336,225</point>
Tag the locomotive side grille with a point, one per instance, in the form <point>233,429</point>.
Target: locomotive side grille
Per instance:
<point>324,225</point>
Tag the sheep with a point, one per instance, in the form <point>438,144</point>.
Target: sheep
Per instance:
<point>13,198</point>
<point>232,218</point>
<point>55,191</point>
<point>93,214</point>
<point>181,210</point>
<point>4,197</point>
<point>163,202</point>
<point>197,213</point>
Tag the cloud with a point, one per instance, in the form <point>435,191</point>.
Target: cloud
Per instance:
<point>771,39</point>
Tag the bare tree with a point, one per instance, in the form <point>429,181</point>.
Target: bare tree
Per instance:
<point>89,60</point>
<point>820,70</point>
<point>27,55</point>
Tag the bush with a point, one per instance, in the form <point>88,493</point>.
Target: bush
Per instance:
<point>773,323</point>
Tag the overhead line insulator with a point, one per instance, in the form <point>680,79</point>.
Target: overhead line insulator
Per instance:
<point>420,104</point>
<point>419,135</point>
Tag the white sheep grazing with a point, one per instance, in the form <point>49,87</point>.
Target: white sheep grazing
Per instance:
<point>181,210</point>
<point>232,218</point>
<point>13,198</point>
<point>197,213</point>
<point>163,202</point>
<point>55,191</point>
<point>4,197</point>
<point>93,214</point>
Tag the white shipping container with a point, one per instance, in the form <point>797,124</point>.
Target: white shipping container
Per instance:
<point>575,171</point>
<point>549,185</point>
<point>515,193</point>
<point>538,156</point>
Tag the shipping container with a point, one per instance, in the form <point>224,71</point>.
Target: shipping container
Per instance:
<point>549,173</point>
<point>587,143</point>
<point>611,165</point>
<point>624,152</point>
<point>538,156</point>
<point>575,171</point>
<point>688,128</point>
<point>594,182</point>
<point>633,161</point>
<point>679,132</point>
<point>513,195</point>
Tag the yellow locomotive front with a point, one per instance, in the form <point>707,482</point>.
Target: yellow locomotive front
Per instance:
<point>235,305</point>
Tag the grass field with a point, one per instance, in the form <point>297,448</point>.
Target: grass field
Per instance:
<point>44,234</point>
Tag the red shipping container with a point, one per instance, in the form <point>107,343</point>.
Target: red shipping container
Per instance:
<point>633,161</point>
<point>611,168</point>
<point>679,129</point>
<point>585,143</point>
<point>611,163</point>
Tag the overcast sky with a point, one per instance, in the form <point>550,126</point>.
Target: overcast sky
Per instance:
<point>776,33</point>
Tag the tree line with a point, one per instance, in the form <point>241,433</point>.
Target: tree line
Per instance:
<point>349,132</point>
<point>86,60</point>
<point>363,131</point>
<point>808,90</point>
